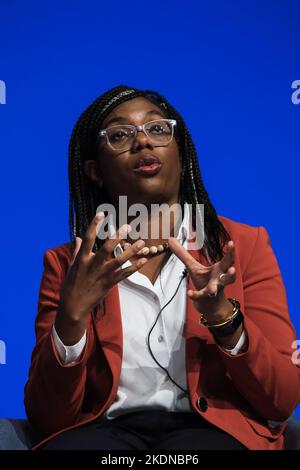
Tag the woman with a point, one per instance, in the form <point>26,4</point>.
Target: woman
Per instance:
<point>149,343</point>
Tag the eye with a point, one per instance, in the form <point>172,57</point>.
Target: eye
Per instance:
<point>159,128</point>
<point>156,129</point>
<point>119,134</point>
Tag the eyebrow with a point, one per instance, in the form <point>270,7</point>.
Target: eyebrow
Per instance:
<point>122,118</point>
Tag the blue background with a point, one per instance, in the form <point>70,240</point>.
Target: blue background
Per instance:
<point>227,66</point>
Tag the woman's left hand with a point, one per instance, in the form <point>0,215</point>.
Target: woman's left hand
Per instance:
<point>209,281</point>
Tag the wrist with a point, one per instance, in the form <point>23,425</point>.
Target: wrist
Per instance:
<point>216,310</point>
<point>230,341</point>
<point>228,326</point>
<point>69,315</point>
<point>69,329</point>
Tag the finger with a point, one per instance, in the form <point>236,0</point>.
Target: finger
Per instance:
<point>182,253</point>
<point>215,286</point>
<point>197,294</point>
<point>229,277</point>
<point>109,245</point>
<point>229,256</point>
<point>126,255</point>
<point>212,289</point>
<point>78,242</point>
<point>126,246</point>
<point>209,291</point>
<point>89,237</point>
<point>126,272</point>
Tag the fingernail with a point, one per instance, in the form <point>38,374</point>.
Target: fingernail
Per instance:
<point>144,251</point>
<point>124,230</point>
<point>99,216</point>
<point>140,244</point>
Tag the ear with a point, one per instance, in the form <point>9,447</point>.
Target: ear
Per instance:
<point>92,171</point>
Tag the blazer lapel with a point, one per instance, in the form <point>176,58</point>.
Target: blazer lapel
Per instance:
<point>197,336</point>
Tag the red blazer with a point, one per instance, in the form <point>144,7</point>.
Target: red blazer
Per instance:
<point>241,392</point>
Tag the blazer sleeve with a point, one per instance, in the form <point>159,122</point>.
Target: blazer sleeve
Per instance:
<point>265,374</point>
<point>54,392</point>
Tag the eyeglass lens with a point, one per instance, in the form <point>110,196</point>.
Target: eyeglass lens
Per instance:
<point>159,131</point>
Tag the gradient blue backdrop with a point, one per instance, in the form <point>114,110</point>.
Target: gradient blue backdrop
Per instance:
<point>227,66</point>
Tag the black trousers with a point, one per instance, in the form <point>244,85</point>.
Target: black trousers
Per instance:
<point>146,430</point>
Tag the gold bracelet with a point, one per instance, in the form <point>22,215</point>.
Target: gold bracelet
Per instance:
<point>235,311</point>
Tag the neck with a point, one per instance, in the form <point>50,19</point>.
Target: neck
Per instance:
<point>157,224</point>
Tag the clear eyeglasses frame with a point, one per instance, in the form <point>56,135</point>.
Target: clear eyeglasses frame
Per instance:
<point>121,136</point>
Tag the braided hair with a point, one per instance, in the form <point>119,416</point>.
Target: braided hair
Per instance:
<point>84,196</point>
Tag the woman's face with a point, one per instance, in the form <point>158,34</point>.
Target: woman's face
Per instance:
<point>114,169</point>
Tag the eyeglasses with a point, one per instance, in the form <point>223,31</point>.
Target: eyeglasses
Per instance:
<point>121,136</point>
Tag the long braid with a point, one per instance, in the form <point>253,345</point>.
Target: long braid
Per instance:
<point>193,190</point>
<point>85,197</point>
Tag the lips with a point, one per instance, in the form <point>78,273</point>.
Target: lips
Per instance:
<point>147,165</point>
<point>146,160</point>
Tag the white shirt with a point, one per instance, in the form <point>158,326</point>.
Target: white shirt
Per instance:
<point>143,384</point>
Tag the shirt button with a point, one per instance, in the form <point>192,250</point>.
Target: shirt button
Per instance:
<point>202,404</point>
<point>160,338</point>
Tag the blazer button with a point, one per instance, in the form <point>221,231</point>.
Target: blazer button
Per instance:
<point>202,404</point>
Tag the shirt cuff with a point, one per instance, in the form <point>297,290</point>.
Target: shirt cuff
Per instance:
<point>68,354</point>
<point>241,342</point>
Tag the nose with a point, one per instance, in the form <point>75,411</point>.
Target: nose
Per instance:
<point>141,140</point>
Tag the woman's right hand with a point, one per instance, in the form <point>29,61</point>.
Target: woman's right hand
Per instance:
<point>90,277</point>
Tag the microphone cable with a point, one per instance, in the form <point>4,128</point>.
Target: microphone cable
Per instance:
<point>183,275</point>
